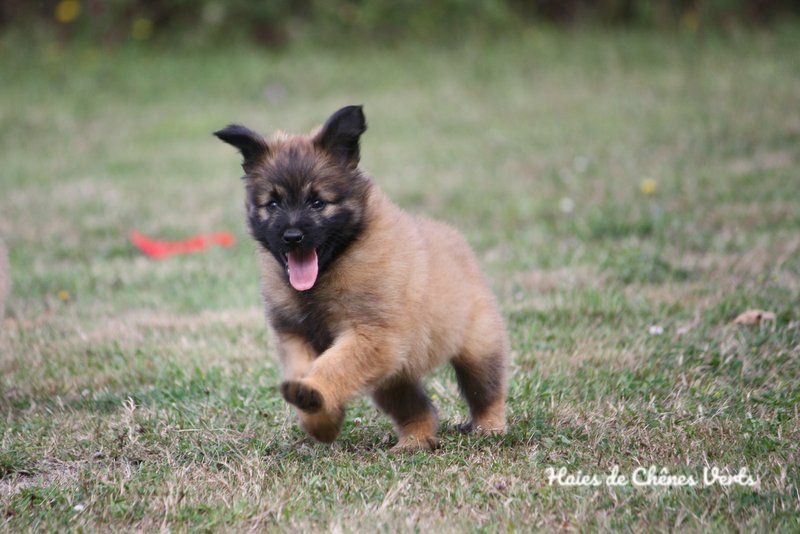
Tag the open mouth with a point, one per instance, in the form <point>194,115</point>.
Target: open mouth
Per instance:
<point>303,267</point>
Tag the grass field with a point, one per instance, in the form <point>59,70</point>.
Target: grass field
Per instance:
<point>613,186</point>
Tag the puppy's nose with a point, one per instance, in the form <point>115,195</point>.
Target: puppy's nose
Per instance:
<point>292,236</point>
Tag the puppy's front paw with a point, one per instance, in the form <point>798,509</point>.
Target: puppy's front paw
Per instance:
<point>322,426</point>
<point>304,397</point>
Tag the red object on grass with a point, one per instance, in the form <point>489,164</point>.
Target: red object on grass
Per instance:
<point>163,249</point>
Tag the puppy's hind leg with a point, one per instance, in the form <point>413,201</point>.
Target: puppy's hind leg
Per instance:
<point>414,416</point>
<point>483,383</point>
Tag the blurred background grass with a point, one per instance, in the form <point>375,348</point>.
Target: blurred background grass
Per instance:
<point>361,22</point>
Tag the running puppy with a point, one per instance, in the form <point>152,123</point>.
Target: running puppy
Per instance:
<point>364,297</point>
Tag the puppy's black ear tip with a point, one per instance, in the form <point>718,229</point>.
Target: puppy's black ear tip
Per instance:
<point>340,134</point>
<point>356,114</point>
<point>354,110</point>
<point>249,143</point>
<point>232,130</point>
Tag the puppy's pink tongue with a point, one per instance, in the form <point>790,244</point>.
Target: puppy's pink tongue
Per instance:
<point>303,269</point>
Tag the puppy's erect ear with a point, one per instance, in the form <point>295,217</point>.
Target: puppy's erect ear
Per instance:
<point>252,146</point>
<point>340,134</point>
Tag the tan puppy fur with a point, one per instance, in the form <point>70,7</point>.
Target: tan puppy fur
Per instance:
<point>401,296</point>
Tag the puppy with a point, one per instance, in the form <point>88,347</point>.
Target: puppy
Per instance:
<point>362,296</point>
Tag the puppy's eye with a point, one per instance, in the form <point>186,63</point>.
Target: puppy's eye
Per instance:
<point>272,205</point>
<point>318,204</point>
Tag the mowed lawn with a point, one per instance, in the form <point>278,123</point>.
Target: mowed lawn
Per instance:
<point>628,195</point>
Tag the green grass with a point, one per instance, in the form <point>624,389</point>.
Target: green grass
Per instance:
<point>148,398</point>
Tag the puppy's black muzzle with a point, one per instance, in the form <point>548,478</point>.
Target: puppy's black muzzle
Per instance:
<point>292,236</point>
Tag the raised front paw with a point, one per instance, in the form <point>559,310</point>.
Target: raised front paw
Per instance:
<point>322,426</point>
<point>320,417</point>
<point>301,395</point>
